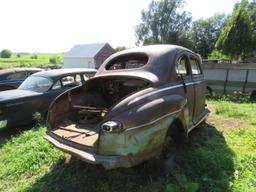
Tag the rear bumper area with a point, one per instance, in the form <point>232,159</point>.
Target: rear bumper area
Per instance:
<point>108,162</point>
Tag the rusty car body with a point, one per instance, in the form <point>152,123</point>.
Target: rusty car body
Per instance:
<point>20,106</point>
<point>12,78</point>
<point>123,115</point>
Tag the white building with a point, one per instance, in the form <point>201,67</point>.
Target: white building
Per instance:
<point>87,55</point>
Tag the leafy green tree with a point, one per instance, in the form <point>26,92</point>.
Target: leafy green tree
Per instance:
<point>215,54</point>
<point>120,48</point>
<point>164,22</point>
<point>252,13</point>
<point>34,57</point>
<point>205,32</point>
<point>6,53</point>
<point>55,60</point>
<point>236,39</point>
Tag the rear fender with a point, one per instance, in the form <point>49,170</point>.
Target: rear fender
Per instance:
<point>145,127</point>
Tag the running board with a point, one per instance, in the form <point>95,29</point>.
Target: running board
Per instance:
<point>200,121</point>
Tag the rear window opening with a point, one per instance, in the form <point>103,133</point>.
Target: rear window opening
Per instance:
<point>130,61</point>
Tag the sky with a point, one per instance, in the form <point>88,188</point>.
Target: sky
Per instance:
<point>54,26</point>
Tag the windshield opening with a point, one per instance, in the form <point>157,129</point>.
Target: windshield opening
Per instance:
<point>35,83</point>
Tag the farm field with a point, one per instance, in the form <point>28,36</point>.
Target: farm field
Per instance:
<point>220,156</point>
<point>32,60</point>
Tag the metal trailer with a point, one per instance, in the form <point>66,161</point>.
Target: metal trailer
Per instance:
<point>228,78</point>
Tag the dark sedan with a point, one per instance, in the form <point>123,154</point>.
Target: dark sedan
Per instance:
<point>142,103</point>
<point>12,78</point>
<point>34,95</point>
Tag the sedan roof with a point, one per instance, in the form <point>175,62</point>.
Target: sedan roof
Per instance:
<point>58,73</point>
<point>158,69</point>
<point>14,70</point>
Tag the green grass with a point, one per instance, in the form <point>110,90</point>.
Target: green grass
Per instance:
<point>24,158</point>
<point>217,158</point>
<point>245,111</point>
<point>27,60</point>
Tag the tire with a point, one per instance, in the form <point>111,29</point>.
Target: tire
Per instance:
<point>253,95</point>
<point>172,144</point>
<point>209,91</point>
<point>169,148</point>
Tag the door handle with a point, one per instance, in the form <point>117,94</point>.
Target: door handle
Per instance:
<point>184,84</point>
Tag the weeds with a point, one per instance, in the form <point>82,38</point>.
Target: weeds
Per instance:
<point>234,98</point>
<point>243,111</point>
<point>213,161</point>
<point>183,185</point>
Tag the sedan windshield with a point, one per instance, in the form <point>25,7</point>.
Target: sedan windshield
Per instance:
<point>38,84</point>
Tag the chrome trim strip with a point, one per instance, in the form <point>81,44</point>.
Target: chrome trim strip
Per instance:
<point>14,104</point>
<point>154,121</point>
<point>197,82</point>
<point>190,83</point>
<point>163,89</point>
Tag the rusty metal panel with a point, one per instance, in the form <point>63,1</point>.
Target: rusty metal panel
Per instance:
<point>122,116</point>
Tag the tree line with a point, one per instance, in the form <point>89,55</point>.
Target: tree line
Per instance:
<point>224,36</point>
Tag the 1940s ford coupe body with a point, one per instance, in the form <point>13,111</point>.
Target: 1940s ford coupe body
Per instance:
<point>124,114</point>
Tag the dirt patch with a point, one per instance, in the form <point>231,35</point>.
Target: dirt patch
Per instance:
<point>223,123</point>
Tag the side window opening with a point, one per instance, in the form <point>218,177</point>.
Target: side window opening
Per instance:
<point>195,66</point>
<point>88,76</point>
<point>182,66</point>
<point>57,85</point>
<point>71,81</point>
<point>78,79</point>
<point>18,75</point>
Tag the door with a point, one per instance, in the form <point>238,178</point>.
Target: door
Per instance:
<point>184,74</point>
<point>15,79</point>
<point>59,86</point>
<point>199,88</point>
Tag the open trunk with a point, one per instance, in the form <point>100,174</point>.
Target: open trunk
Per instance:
<point>76,117</point>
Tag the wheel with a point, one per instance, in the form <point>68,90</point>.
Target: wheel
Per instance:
<point>209,91</point>
<point>166,162</point>
<point>253,95</point>
<point>169,148</point>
